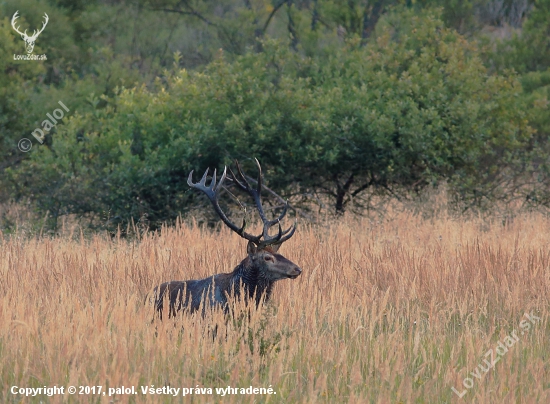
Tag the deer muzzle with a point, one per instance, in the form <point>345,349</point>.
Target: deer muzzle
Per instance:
<point>296,273</point>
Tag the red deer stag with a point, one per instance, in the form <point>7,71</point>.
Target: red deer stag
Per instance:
<point>254,277</point>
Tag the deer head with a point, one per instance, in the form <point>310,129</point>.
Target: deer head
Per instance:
<point>29,40</point>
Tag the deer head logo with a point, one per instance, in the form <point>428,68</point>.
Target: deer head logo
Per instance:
<point>29,40</point>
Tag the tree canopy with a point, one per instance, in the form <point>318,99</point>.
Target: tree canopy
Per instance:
<point>359,100</point>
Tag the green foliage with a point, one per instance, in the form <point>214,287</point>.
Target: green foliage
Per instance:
<point>335,109</point>
<point>470,16</point>
<point>528,50</point>
<point>31,89</point>
<point>17,84</point>
<point>413,108</point>
<point>528,53</point>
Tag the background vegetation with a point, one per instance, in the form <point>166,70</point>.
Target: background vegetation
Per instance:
<point>342,102</point>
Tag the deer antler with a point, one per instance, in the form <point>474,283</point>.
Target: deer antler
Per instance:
<point>15,17</point>
<point>212,192</point>
<point>256,195</point>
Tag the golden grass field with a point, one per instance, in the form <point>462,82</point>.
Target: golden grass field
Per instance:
<point>397,311</point>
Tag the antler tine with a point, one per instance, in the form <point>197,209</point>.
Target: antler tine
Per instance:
<point>281,236</point>
<point>290,228</point>
<point>270,223</point>
<point>190,179</point>
<point>289,235</point>
<point>259,188</point>
<point>244,185</point>
<point>222,179</point>
<point>241,231</point>
<point>212,185</point>
<point>283,213</point>
<point>205,176</point>
<point>269,240</point>
<point>211,192</point>
<point>15,17</point>
<point>254,193</point>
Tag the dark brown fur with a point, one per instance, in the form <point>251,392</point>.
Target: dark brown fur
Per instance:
<point>253,278</point>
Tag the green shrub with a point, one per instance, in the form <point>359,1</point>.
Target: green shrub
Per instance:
<point>414,107</point>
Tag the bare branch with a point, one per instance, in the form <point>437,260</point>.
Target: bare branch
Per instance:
<point>275,9</point>
<point>191,11</point>
<point>362,188</point>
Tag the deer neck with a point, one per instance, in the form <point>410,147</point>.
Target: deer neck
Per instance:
<point>248,276</point>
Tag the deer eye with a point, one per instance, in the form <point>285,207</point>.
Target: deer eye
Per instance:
<point>268,258</point>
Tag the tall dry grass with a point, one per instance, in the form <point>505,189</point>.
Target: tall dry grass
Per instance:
<point>392,312</point>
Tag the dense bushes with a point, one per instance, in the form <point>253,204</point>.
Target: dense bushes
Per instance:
<point>413,108</point>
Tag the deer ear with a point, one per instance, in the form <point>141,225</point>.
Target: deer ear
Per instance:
<point>251,248</point>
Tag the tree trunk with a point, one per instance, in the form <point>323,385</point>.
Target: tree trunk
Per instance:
<point>371,18</point>
<point>341,192</point>
<point>315,15</point>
